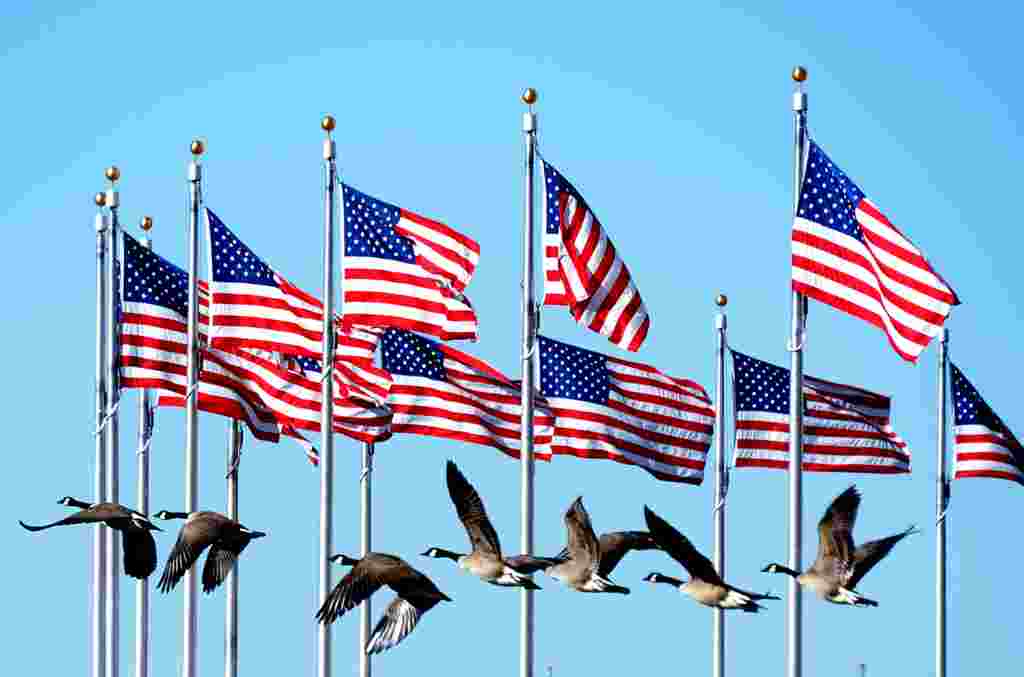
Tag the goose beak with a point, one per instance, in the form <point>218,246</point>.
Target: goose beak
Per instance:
<point>257,534</point>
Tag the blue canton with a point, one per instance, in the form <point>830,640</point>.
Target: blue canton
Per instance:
<point>149,278</point>
<point>829,198</point>
<point>369,228</point>
<point>760,386</point>
<point>408,354</point>
<point>232,260</point>
<point>968,406</point>
<point>554,184</point>
<point>573,373</point>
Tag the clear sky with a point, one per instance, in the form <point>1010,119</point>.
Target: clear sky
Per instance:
<point>674,121</point>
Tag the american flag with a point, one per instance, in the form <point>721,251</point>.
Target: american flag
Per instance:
<point>404,270</point>
<point>847,254</point>
<point>442,392</point>
<point>153,343</point>
<point>253,306</point>
<point>846,429</point>
<point>582,270</point>
<point>985,447</point>
<point>625,411</point>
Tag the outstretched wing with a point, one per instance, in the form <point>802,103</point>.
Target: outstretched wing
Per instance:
<point>194,537</point>
<point>362,580</point>
<point>835,531</point>
<point>871,553</point>
<point>398,621</point>
<point>472,514</point>
<point>681,549</point>
<point>582,542</point>
<point>617,544</point>
<point>139,552</point>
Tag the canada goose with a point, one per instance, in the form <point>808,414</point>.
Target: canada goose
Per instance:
<point>839,566</point>
<point>485,561</point>
<point>615,545</point>
<point>137,543</point>
<point>204,529</point>
<point>581,566</point>
<point>417,595</point>
<point>705,585</point>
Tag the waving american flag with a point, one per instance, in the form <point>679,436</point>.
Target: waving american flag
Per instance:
<point>847,254</point>
<point>984,445</point>
<point>583,270</point>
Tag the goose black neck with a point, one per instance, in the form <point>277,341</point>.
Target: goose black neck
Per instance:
<point>781,569</point>
<point>661,578</point>
<point>168,515</point>
<point>75,503</point>
<point>447,554</point>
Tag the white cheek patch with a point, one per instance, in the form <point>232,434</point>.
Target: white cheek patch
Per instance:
<point>244,530</point>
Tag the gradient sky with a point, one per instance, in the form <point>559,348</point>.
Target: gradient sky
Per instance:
<point>675,124</point>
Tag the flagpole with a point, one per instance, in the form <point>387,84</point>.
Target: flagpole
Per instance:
<point>191,621</point>
<point>113,397</point>
<point>718,617</point>
<point>231,608</point>
<point>365,494</point>
<point>941,503</point>
<point>327,402</point>
<point>794,630</point>
<point>142,501</point>
<point>99,537</point>
<point>529,338</point>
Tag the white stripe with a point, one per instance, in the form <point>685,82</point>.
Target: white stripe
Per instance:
<point>632,457</point>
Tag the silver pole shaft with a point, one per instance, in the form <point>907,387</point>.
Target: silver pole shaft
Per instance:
<point>365,496</point>
<point>231,609</point>
<point>529,338</point>
<point>718,618</point>
<point>142,505</point>
<point>99,538</point>
<point>794,629</point>
<point>940,507</point>
<point>113,438</point>
<point>191,621</point>
<point>327,414</point>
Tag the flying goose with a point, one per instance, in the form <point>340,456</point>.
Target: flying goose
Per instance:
<point>705,585</point>
<point>485,561</point>
<point>225,537</point>
<point>580,569</point>
<point>137,541</point>
<point>615,545</point>
<point>839,565</point>
<point>416,595</point>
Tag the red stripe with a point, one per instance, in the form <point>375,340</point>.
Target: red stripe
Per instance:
<point>563,427</point>
<point>640,335</point>
<point>354,272</point>
<point>617,443</point>
<point>444,229</point>
<point>464,437</point>
<point>254,322</point>
<point>268,301</point>
<point>594,454</point>
<point>819,467</point>
<point>821,449</point>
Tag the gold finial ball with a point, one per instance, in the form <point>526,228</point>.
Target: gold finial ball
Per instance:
<point>799,74</point>
<point>100,199</point>
<point>721,300</point>
<point>327,123</point>
<point>146,224</point>
<point>112,173</point>
<point>529,96</point>
<point>197,147</point>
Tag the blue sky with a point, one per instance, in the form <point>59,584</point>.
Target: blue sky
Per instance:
<point>675,123</point>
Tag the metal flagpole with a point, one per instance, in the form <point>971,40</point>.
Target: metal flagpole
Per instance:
<point>941,504</point>
<point>113,398</point>
<point>327,402</point>
<point>529,338</point>
<point>231,608</point>
<point>721,484</point>
<point>99,538</point>
<point>365,506</point>
<point>191,621</point>
<point>142,501</point>
<point>794,630</point>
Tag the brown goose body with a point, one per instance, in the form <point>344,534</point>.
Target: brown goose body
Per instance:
<point>225,538</point>
<point>840,565</point>
<point>579,564</point>
<point>705,585</point>
<point>415,595</point>
<point>138,546</point>
<point>485,561</point>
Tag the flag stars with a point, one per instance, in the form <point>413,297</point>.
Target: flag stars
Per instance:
<point>369,228</point>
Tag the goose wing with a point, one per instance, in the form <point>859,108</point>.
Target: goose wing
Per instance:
<point>835,534</point>
<point>583,545</point>
<point>472,514</point>
<point>139,552</point>
<point>417,595</point>
<point>221,559</point>
<point>200,531</point>
<point>681,549</point>
<point>617,544</point>
<point>871,553</point>
<point>362,580</point>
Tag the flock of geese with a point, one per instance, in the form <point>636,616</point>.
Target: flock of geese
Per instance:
<point>584,565</point>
